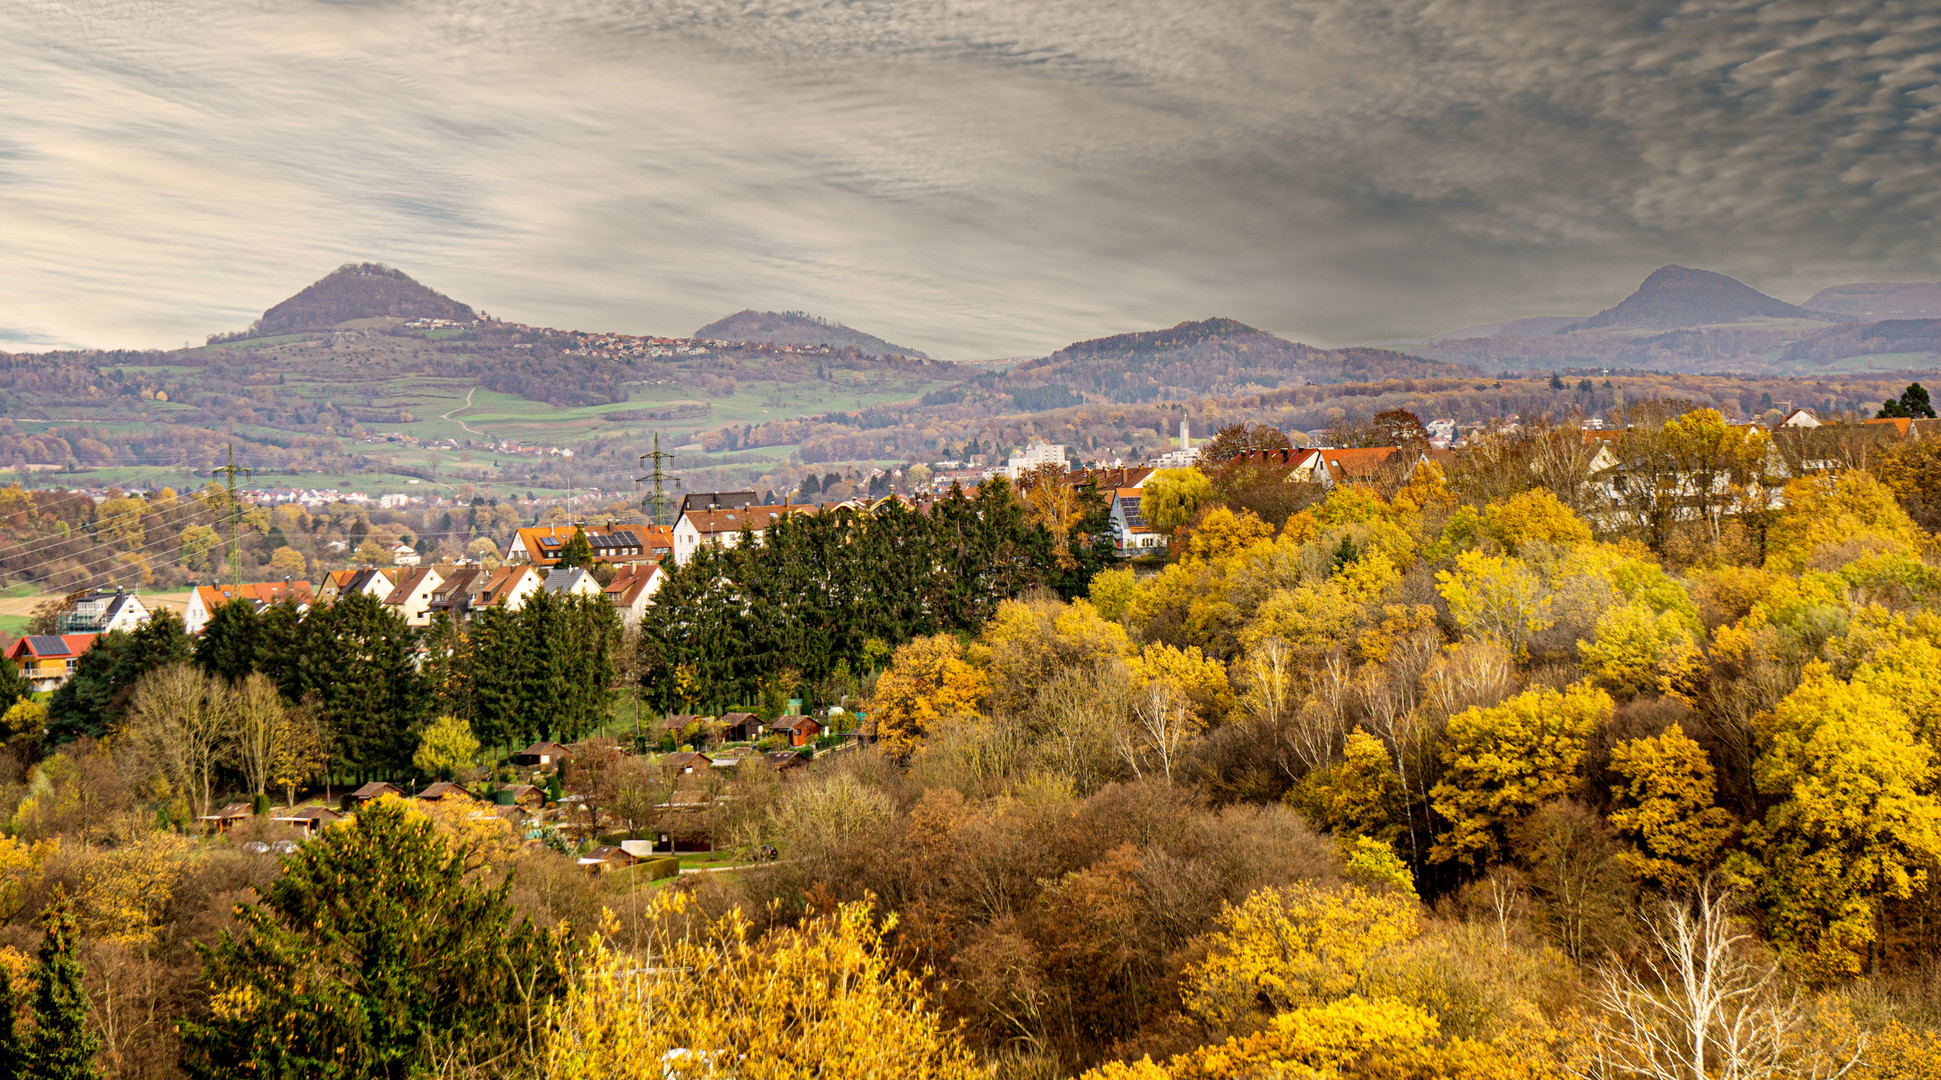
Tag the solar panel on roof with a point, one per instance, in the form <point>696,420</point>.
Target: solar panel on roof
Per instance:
<point>47,645</point>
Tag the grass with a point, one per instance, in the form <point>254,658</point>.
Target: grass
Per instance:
<point>15,624</point>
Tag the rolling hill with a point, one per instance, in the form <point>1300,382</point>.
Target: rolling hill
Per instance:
<point>797,328</point>
<point>359,291</point>
<point>1873,300</point>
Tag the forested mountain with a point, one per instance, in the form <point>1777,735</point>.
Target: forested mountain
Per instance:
<point>797,328</point>
<point>1675,296</point>
<point>1211,356</point>
<point>359,291</point>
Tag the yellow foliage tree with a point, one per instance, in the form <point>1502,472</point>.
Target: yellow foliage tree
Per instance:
<point>1634,648</point>
<point>1286,947</point>
<point>926,681</point>
<point>1833,511</point>
<point>286,561</point>
<point>1496,598</point>
<point>1187,673</point>
<point>1173,496</point>
<point>25,717</point>
<point>1504,762</point>
<point>1533,516</point>
<point>1112,592</point>
<point>1222,533</point>
<point>445,746</point>
<point>1666,809</point>
<point>1350,1039</point>
<point>1857,820</point>
<point>821,999</point>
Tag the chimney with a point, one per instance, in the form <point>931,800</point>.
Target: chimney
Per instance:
<point>1184,442</point>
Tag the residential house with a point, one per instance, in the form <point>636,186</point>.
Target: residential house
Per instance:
<point>800,730</point>
<point>1348,465</point>
<point>723,528</point>
<point>573,581</point>
<point>543,753</point>
<point>717,500</point>
<point>632,589</point>
<point>377,581</point>
<point>47,660</point>
<point>371,792</point>
<point>229,815</point>
<point>506,587</point>
<point>618,545</point>
<point>411,597</point>
<point>442,790</point>
<point>406,555</point>
<point>1130,532</point>
<point>205,599</point>
<point>740,726</point>
<point>452,596</point>
<point>1800,418</point>
<point>310,820</point>
<point>1114,478</point>
<point>101,611</point>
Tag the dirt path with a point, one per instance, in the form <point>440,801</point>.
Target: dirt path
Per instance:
<point>468,404</point>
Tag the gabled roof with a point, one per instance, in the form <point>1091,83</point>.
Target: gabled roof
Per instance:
<point>719,522</point>
<point>323,815</point>
<point>374,789</point>
<point>51,646</point>
<point>561,581</point>
<point>264,592</point>
<point>1355,463</point>
<point>456,587</point>
<point>408,583</point>
<point>793,723</point>
<point>443,789</point>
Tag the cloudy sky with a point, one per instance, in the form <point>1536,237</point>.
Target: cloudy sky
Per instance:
<point>975,178</point>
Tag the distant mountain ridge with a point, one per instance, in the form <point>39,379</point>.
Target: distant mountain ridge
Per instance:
<point>798,328</point>
<point>1677,296</point>
<point>359,291</point>
<point>1877,300</point>
<point>1208,356</point>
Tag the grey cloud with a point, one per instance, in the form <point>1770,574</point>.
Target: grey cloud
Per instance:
<point>975,177</point>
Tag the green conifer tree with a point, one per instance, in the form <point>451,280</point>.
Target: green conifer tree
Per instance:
<point>13,685</point>
<point>13,1060</point>
<point>61,1046</point>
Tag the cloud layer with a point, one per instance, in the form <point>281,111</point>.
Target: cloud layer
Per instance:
<point>972,177</point>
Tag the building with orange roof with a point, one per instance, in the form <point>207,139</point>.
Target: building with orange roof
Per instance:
<point>205,599</point>
<point>47,660</point>
<point>411,596</point>
<point>619,545</point>
<point>1130,532</point>
<point>632,589</point>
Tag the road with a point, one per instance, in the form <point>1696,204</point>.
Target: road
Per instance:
<point>468,404</point>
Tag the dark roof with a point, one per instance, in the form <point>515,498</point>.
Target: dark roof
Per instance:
<point>792,723</point>
<point>312,813</point>
<point>545,748</point>
<point>47,645</point>
<point>717,500</point>
<point>374,789</point>
<point>782,759</point>
<point>734,718</point>
<point>443,788</point>
<point>685,758</point>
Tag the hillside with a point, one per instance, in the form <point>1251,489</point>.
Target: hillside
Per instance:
<point>359,291</point>
<point>1874,300</point>
<point>1676,296</point>
<point>1210,356</point>
<point>797,328</point>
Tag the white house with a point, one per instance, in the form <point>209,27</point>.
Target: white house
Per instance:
<point>1130,533</point>
<point>573,581</point>
<point>205,599</point>
<point>405,555</point>
<point>632,589</point>
<point>1800,418</point>
<point>723,528</point>
<point>101,612</point>
<point>411,598</point>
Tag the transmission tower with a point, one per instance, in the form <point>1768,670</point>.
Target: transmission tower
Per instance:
<point>657,502</point>
<point>235,515</point>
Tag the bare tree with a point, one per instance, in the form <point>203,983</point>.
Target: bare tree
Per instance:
<point>1160,725</point>
<point>1703,1007</point>
<point>260,729</point>
<point>180,718</point>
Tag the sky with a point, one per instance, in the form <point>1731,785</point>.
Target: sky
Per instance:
<point>973,178</point>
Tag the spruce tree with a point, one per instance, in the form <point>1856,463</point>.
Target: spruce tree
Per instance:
<point>579,552</point>
<point>61,1046</point>
<point>13,685</point>
<point>13,1060</point>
